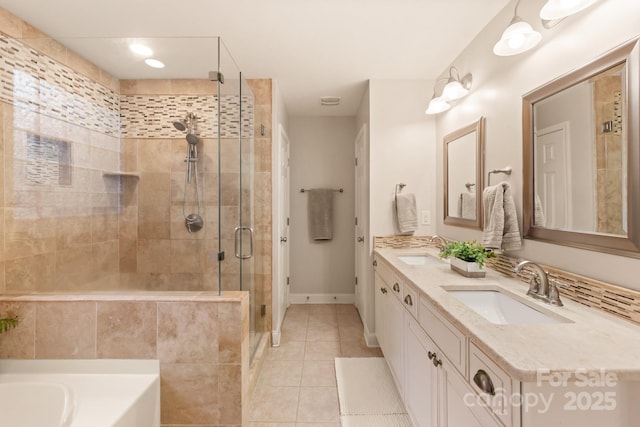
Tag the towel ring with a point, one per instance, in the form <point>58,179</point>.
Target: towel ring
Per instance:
<point>507,171</point>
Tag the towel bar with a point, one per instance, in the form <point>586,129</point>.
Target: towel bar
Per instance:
<point>339,190</point>
<point>506,171</point>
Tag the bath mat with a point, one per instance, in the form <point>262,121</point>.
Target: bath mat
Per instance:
<point>366,387</point>
<point>397,420</point>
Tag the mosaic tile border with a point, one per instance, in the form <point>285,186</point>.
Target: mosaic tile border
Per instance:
<point>605,297</point>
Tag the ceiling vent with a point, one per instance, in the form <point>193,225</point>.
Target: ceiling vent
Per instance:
<point>330,101</point>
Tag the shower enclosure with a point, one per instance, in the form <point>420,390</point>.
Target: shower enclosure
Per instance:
<point>119,176</point>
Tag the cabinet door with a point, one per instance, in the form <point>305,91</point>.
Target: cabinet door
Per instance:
<point>394,339</point>
<point>459,406</point>
<point>380,295</point>
<point>421,376</point>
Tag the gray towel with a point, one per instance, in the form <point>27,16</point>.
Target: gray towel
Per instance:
<point>501,230</point>
<point>406,212</point>
<point>320,207</point>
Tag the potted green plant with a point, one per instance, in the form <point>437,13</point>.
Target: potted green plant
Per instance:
<point>7,323</point>
<point>467,258</point>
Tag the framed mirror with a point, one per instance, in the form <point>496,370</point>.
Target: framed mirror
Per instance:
<point>581,156</point>
<point>463,175</point>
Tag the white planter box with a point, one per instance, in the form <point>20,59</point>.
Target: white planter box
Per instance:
<point>467,269</point>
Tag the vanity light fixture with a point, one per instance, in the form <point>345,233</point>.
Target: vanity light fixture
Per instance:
<point>438,104</point>
<point>456,87</point>
<point>517,38</point>
<point>558,9</point>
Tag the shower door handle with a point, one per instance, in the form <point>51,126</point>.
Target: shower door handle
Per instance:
<point>238,232</point>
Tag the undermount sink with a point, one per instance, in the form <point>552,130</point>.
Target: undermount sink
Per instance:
<point>419,260</point>
<point>502,309</point>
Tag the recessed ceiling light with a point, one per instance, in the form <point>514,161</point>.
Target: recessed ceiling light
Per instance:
<point>154,63</point>
<point>140,49</point>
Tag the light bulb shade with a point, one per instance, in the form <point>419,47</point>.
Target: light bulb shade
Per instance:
<point>454,90</point>
<point>517,38</point>
<point>437,105</point>
<point>558,9</point>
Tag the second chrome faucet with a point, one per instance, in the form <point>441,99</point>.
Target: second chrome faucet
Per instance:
<point>540,287</point>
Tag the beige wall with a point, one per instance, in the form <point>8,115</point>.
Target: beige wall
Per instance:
<point>498,86</point>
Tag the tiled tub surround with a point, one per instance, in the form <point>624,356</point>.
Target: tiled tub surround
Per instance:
<point>200,339</point>
<point>605,297</point>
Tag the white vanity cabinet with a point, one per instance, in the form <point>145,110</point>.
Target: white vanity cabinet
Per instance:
<point>388,322</point>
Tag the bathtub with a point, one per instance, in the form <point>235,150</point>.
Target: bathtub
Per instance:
<point>79,393</point>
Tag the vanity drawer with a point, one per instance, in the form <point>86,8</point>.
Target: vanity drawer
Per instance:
<point>491,383</point>
<point>451,341</point>
<point>384,271</point>
<point>410,300</point>
<point>397,287</point>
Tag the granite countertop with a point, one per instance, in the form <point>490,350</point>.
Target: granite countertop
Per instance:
<point>590,340</point>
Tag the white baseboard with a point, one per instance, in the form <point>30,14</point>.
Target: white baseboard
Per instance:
<point>370,338</point>
<point>322,298</point>
<point>275,338</point>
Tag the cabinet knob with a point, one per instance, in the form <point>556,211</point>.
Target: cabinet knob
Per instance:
<point>408,300</point>
<point>375,263</point>
<point>396,287</point>
<point>383,290</point>
<point>436,362</point>
<point>283,239</point>
<point>483,381</point>
<point>431,355</point>
<point>360,239</point>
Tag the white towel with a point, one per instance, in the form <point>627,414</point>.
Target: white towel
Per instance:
<point>406,212</point>
<point>467,206</point>
<point>320,207</point>
<point>501,230</point>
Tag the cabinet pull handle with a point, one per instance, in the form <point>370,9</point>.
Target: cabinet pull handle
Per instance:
<point>483,381</point>
<point>408,300</point>
<point>396,287</point>
<point>383,290</point>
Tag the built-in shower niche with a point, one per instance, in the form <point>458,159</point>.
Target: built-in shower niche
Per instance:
<point>48,161</point>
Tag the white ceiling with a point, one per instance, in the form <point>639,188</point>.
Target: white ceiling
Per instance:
<point>312,47</point>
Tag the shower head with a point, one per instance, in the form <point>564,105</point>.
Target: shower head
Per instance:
<point>192,138</point>
<point>181,125</point>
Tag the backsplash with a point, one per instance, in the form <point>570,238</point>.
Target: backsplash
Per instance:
<point>611,299</point>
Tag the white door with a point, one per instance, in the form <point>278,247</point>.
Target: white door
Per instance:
<point>553,175</point>
<point>360,220</point>
<point>283,221</point>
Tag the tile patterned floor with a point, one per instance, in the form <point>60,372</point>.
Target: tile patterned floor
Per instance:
<point>297,384</point>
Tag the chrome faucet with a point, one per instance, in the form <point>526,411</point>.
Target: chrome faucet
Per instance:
<point>442,242</point>
<point>540,287</point>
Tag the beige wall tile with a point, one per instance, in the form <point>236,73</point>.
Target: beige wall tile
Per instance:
<point>104,258</point>
<point>187,332</point>
<point>47,46</point>
<point>229,333</point>
<point>153,87</point>
<point>128,87</point>
<point>18,343</point>
<point>129,152</point>
<point>10,24</point>
<point>82,66</point>
<point>261,89</point>
<point>31,274</point>
<point>127,330</point>
<point>154,221</point>
<point>66,330</point>
<point>104,228</point>
<point>229,189</point>
<point>189,394</point>
<point>128,255</point>
<point>155,188</point>
<point>74,268</point>
<point>155,155</point>
<point>187,256</point>
<point>26,234</point>
<point>230,394</point>
<point>154,256</point>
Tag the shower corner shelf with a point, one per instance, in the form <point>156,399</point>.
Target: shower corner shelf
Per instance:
<point>115,174</point>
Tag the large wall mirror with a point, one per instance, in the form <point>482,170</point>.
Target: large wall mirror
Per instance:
<point>463,172</point>
<point>581,156</point>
